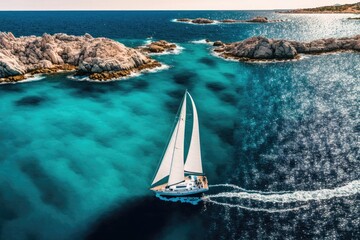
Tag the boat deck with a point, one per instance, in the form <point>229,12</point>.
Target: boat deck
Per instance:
<point>198,182</point>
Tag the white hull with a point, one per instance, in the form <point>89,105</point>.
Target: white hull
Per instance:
<point>182,194</point>
<point>190,186</point>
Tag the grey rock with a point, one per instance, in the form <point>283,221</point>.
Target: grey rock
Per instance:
<point>92,55</point>
<point>262,48</point>
<point>218,44</point>
<point>202,21</point>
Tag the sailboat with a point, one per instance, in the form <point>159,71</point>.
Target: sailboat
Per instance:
<point>184,176</point>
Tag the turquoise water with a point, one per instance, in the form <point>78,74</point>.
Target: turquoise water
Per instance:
<point>77,157</point>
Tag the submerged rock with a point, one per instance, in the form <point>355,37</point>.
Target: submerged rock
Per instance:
<point>183,20</point>
<point>52,53</point>
<point>261,48</point>
<point>229,21</point>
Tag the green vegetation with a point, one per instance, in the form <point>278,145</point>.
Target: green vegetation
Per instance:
<point>346,8</point>
<point>335,8</point>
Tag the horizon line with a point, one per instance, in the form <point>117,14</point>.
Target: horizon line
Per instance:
<point>144,10</point>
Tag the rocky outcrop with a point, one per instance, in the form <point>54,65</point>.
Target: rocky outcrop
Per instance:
<point>205,21</point>
<point>161,46</point>
<point>259,19</point>
<point>25,56</point>
<point>261,48</point>
<point>202,21</point>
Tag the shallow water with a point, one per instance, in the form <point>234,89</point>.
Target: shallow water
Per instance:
<point>77,157</point>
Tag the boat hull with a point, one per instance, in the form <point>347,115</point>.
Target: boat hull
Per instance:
<point>181,194</point>
<point>191,185</point>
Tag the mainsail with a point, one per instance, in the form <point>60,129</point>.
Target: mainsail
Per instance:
<point>172,163</point>
<point>193,159</point>
<point>177,166</point>
<point>173,152</point>
<point>165,165</point>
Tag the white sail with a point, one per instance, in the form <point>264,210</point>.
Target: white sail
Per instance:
<point>193,159</point>
<point>165,165</point>
<point>177,166</point>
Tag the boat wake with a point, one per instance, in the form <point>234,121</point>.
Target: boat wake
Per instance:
<point>237,195</point>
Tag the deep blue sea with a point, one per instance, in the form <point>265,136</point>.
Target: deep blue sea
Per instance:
<point>280,141</point>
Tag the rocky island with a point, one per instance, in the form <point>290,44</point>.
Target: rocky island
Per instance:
<point>160,46</point>
<point>345,8</point>
<point>98,58</point>
<point>265,49</point>
<point>204,21</point>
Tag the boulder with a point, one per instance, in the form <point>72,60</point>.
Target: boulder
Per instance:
<point>10,65</point>
<point>218,44</point>
<point>45,64</point>
<point>283,49</point>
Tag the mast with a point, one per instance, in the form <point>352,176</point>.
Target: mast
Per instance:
<point>193,160</point>
<point>177,165</point>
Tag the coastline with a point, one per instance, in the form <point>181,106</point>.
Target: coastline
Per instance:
<point>98,59</point>
<point>352,8</point>
<point>319,12</point>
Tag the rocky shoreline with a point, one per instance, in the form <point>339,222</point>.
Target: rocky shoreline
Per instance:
<point>205,21</point>
<point>265,49</point>
<point>98,58</point>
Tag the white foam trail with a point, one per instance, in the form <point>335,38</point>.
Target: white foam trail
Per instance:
<point>243,189</point>
<point>349,189</point>
<point>269,210</point>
